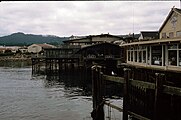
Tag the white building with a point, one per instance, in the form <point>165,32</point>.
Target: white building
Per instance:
<point>37,48</point>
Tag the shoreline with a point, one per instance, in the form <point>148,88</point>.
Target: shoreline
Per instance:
<point>15,62</point>
<point>10,59</point>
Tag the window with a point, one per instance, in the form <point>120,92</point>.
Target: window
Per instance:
<point>178,34</point>
<point>171,35</point>
<point>156,55</point>
<point>148,55</point>
<point>163,35</point>
<point>172,55</point>
<point>135,55</point>
<point>128,55</point>
<point>144,57</point>
<point>131,55</point>
<point>179,57</point>
<point>139,56</point>
<point>172,47</point>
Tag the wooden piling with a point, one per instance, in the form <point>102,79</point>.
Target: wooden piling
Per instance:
<point>98,103</point>
<point>125,94</point>
<point>158,96</point>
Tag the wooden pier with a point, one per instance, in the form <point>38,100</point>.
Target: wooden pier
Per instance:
<point>152,97</point>
<point>148,70</point>
<point>148,94</point>
<point>56,60</point>
<point>38,65</point>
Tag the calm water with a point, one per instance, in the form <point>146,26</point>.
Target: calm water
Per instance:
<point>23,97</point>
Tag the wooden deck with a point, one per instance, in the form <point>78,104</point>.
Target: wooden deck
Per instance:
<point>144,99</point>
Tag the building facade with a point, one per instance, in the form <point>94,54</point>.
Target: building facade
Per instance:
<point>163,53</point>
<point>171,27</point>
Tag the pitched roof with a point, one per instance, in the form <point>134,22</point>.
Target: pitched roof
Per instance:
<point>152,34</point>
<point>45,45</point>
<point>167,18</point>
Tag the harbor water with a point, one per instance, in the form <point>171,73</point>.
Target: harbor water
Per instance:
<point>24,97</point>
<point>27,97</point>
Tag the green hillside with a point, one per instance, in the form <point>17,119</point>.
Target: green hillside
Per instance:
<point>28,39</point>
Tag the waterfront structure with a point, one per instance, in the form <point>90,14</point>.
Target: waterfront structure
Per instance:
<point>62,51</point>
<point>152,73</point>
<point>151,82</point>
<point>148,35</point>
<point>106,54</point>
<point>163,53</point>
<point>93,39</point>
<point>37,48</point>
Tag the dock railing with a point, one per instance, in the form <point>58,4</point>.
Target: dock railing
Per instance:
<point>141,100</point>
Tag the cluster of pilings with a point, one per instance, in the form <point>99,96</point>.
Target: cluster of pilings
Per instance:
<point>56,66</point>
<point>147,94</point>
<point>38,66</point>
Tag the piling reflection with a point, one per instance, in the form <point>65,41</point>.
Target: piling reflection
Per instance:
<point>77,82</point>
<point>80,82</point>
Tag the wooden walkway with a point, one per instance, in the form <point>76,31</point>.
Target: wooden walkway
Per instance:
<point>52,66</point>
<point>143,100</point>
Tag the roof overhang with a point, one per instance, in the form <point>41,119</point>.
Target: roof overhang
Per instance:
<point>158,41</point>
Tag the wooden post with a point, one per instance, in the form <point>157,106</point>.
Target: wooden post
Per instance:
<point>98,112</point>
<point>32,66</point>
<point>59,67</point>
<point>158,96</point>
<point>125,94</point>
<point>46,66</point>
<point>100,97</point>
<point>94,90</point>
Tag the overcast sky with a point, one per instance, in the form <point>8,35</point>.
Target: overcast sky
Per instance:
<point>66,18</point>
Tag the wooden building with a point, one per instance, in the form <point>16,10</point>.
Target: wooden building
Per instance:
<point>62,51</point>
<point>106,54</point>
<point>164,53</point>
<point>93,39</point>
<point>156,62</point>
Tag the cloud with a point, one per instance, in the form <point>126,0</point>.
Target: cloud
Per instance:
<point>65,18</point>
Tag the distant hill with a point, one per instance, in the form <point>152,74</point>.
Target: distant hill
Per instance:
<point>28,39</point>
